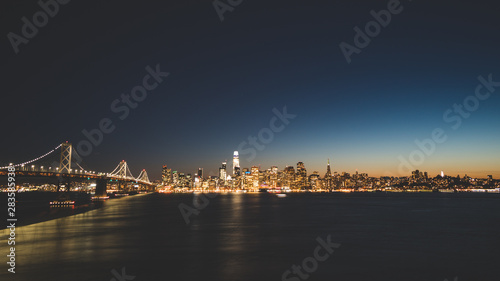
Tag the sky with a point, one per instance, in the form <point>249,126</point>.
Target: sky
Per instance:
<point>219,83</point>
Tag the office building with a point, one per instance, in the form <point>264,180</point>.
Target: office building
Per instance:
<point>236,163</point>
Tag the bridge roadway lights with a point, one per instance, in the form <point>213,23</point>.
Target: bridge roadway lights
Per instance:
<point>101,188</point>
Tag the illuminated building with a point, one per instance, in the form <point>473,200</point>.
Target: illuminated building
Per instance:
<point>175,178</point>
<point>274,169</point>
<point>301,176</point>
<point>223,172</point>
<point>166,175</point>
<point>273,177</point>
<point>255,176</point>
<point>328,177</point>
<point>289,177</point>
<point>314,180</point>
<point>182,179</point>
<point>416,174</point>
<point>236,163</point>
<point>247,180</point>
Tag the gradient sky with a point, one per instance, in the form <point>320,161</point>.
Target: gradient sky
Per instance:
<point>226,78</point>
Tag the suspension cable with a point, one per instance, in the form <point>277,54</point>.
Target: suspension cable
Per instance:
<point>33,160</point>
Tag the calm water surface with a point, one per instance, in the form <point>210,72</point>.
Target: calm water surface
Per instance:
<point>425,237</point>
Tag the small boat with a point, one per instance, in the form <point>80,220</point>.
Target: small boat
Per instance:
<point>62,200</point>
<point>98,198</point>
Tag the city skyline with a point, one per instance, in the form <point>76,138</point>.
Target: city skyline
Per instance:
<point>330,164</point>
<point>211,87</point>
<point>406,168</point>
<point>298,179</point>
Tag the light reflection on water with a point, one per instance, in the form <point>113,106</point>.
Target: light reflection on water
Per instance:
<point>259,236</point>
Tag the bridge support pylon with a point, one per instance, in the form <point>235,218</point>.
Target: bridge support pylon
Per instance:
<point>101,188</point>
<point>65,164</point>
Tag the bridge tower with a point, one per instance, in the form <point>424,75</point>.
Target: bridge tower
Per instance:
<point>65,163</point>
<point>122,171</point>
<point>143,176</point>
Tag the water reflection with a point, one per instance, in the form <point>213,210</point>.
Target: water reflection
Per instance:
<point>258,236</point>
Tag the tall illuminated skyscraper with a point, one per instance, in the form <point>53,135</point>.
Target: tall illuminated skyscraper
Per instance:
<point>255,176</point>
<point>236,163</point>
<point>175,177</point>
<point>328,176</point>
<point>301,176</point>
<point>328,170</point>
<point>273,177</point>
<point>166,175</point>
<point>289,177</point>
<point>223,172</point>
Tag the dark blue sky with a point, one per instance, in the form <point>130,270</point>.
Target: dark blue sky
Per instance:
<point>226,78</point>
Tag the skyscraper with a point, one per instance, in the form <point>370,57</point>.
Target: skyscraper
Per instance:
<point>273,177</point>
<point>200,173</point>
<point>328,170</point>
<point>166,175</point>
<point>328,176</point>
<point>289,177</point>
<point>313,180</point>
<point>223,172</point>
<point>255,176</point>
<point>301,177</point>
<point>175,178</point>
<point>236,163</point>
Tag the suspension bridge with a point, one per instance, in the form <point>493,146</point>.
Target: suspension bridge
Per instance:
<point>64,170</point>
